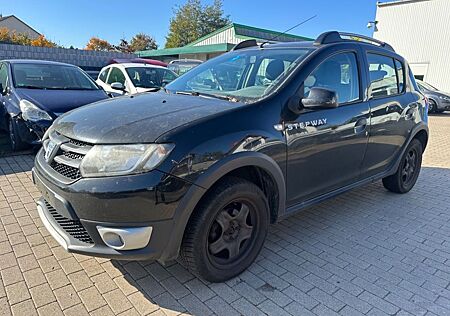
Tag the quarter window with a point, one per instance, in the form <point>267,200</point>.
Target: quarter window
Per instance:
<point>338,73</point>
<point>383,76</point>
<point>116,75</point>
<point>400,76</point>
<point>103,75</point>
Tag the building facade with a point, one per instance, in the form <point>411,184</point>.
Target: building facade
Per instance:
<point>219,42</point>
<point>14,24</point>
<point>419,30</point>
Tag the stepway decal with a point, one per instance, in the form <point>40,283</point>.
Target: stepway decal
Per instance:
<point>303,125</point>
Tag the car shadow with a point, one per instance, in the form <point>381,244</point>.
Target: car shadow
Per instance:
<point>327,243</point>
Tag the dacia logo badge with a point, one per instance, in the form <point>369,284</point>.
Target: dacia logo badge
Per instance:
<point>49,152</point>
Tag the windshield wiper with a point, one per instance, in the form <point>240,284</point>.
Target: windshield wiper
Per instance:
<point>208,95</point>
<point>30,87</point>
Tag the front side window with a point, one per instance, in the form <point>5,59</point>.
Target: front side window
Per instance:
<point>150,77</point>
<point>247,75</point>
<point>116,75</point>
<point>383,76</point>
<point>3,76</point>
<point>51,77</point>
<point>338,73</point>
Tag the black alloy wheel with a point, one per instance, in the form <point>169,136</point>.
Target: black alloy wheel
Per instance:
<point>227,230</point>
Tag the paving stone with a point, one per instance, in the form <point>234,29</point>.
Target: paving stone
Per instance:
<point>23,308</point>
<point>11,275</point>
<point>67,297</point>
<point>42,295</point>
<point>17,292</point>
<point>142,304</point>
<point>117,301</point>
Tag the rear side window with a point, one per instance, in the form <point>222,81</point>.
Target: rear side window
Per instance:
<point>338,73</point>
<point>103,75</point>
<point>383,76</point>
<point>116,75</point>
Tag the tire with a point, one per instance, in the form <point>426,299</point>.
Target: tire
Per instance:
<point>432,107</point>
<point>408,171</point>
<point>227,230</point>
<point>16,142</point>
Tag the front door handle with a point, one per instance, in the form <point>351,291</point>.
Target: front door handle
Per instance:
<point>360,125</point>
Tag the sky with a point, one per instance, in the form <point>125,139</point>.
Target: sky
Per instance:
<point>69,22</point>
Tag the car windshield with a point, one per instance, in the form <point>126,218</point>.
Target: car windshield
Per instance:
<point>427,86</point>
<point>51,77</point>
<point>150,77</point>
<point>246,75</point>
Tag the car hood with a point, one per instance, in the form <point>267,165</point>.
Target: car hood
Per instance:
<point>140,118</point>
<point>60,101</point>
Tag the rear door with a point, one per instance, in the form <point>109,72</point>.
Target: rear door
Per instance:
<point>392,111</point>
<point>4,84</point>
<point>326,146</point>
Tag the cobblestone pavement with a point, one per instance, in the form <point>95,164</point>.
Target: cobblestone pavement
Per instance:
<point>366,252</point>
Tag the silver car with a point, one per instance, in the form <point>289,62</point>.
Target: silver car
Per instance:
<point>439,101</point>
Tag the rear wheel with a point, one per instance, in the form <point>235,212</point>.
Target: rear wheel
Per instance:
<point>16,142</point>
<point>408,171</point>
<point>227,231</point>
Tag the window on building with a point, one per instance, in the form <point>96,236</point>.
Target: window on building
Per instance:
<point>383,76</point>
<point>338,73</point>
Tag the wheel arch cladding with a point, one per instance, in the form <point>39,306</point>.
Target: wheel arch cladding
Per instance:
<point>252,166</point>
<point>422,136</point>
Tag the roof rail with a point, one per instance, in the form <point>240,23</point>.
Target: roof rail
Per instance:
<point>245,44</point>
<point>335,37</point>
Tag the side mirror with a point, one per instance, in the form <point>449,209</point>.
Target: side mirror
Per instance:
<point>321,98</point>
<point>118,86</point>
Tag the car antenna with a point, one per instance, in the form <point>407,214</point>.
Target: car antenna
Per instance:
<point>295,26</point>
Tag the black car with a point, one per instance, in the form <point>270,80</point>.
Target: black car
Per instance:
<point>35,92</point>
<point>200,170</point>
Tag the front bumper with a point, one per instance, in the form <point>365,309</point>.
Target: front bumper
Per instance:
<point>73,213</point>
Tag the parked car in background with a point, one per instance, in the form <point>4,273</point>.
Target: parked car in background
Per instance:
<point>439,100</point>
<point>137,61</point>
<point>181,66</point>
<point>134,78</point>
<point>34,93</point>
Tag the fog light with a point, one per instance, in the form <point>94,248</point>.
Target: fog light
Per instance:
<point>125,238</point>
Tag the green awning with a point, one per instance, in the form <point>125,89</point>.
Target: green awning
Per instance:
<point>205,49</point>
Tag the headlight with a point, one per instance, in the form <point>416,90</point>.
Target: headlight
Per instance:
<point>31,112</point>
<point>444,98</point>
<point>114,160</point>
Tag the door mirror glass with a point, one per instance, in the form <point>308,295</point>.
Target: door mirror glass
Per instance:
<point>321,98</point>
<point>118,86</point>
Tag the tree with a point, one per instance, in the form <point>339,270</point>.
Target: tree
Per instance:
<point>96,43</point>
<point>194,20</point>
<point>41,41</point>
<point>123,46</point>
<point>142,41</point>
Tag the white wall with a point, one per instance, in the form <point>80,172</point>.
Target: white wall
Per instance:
<point>15,25</point>
<point>419,31</point>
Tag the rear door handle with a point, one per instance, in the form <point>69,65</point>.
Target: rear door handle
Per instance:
<point>360,125</point>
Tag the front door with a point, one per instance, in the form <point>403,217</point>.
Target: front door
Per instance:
<point>326,147</point>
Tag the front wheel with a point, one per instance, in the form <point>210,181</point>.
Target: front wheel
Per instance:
<point>16,142</point>
<point>227,230</point>
<point>432,108</point>
<point>408,171</point>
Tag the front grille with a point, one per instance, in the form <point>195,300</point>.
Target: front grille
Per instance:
<point>66,171</point>
<point>69,154</point>
<point>73,227</point>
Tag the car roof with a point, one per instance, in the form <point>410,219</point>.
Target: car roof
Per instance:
<point>36,61</point>
<point>139,65</point>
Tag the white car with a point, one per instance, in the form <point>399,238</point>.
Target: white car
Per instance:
<point>132,78</point>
